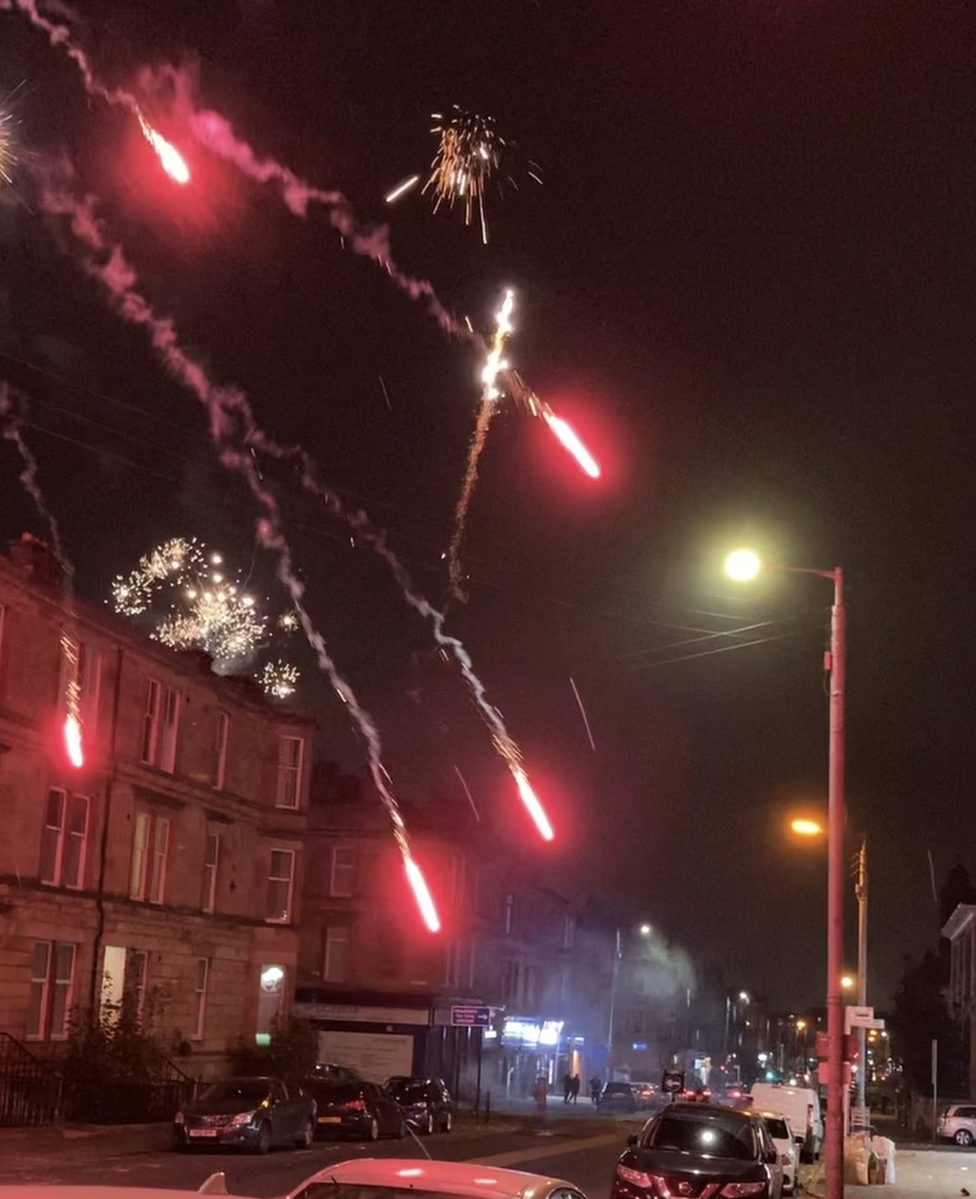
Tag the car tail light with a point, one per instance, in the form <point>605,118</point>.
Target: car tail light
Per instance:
<point>356,1105</point>
<point>636,1178</point>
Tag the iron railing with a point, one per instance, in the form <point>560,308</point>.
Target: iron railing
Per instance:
<point>30,1090</point>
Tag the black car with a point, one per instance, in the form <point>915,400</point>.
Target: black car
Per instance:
<point>699,1150</point>
<point>426,1102</point>
<point>617,1097</point>
<point>246,1113</point>
<point>361,1109</point>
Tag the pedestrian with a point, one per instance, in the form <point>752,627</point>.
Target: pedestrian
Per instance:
<point>574,1087</point>
<point>567,1086</point>
<point>539,1093</point>
<point>596,1086</point>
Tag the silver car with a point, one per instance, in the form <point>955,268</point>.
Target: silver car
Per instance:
<point>958,1123</point>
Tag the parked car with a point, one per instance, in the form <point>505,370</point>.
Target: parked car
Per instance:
<point>392,1177</point>
<point>958,1123</point>
<point>425,1101</point>
<point>778,1127</point>
<point>246,1113</point>
<point>360,1109</point>
<point>801,1106</point>
<point>617,1097</point>
<point>699,1149</point>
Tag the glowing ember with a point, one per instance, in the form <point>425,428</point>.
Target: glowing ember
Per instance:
<point>72,740</point>
<point>567,436</point>
<point>171,160</point>
<point>401,189</point>
<point>532,803</point>
<point>422,894</point>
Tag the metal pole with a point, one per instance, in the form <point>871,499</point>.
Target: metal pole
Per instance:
<point>613,1000</point>
<point>861,891</point>
<point>836,876</point>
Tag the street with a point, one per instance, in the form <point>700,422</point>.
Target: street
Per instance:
<point>580,1149</point>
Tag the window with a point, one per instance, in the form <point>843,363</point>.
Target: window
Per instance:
<point>64,840</point>
<point>281,876</point>
<point>343,866</point>
<point>134,982</point>
<point>290,755</point>
<point>336,966</point>
<point>200,992</point>
<point>150,852</point>
<point>271,999</point>
<point>52,978</point>
<point>160,854</point>
<point>569,931</point>
<point>160,725</point>
<point>211,858</point>
<point>223,733</point>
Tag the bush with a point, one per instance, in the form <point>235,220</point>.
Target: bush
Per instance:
<point>291,1054</point>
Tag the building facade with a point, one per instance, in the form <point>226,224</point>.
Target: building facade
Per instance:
<point>153,819</point>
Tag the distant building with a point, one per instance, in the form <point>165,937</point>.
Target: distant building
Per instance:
<point>166,869</point>
<point>384,991</point>
<point>960,931</point>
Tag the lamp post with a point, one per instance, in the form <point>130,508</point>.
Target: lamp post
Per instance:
<point>744,565</point>
<point>615,971</point>
<point>861,891</point>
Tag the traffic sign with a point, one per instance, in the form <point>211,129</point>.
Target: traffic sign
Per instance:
<point>855,1017</point>
<point>673,1081</point>
<point>471,1015</point>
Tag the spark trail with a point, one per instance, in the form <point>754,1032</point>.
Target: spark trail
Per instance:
<point>229,412</point>
<point>490,395</point>
<point>70,651</point>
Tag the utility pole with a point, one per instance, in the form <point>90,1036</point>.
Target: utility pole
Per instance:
<point>861,891</point>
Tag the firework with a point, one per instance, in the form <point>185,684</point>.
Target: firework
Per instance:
<point>279,679</point>
<point>532,803</point>
<point>8,152</point>
<point>229,411</point>
<point>490,395</point>
<point>174,560</point>
<point>569,439</point>
<point>471,157</point>
<point>401,189</point>
<point>170,159</point>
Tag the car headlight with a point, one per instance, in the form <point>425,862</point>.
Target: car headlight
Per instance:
<point>636,1178</point>
<point>737,1190</point>
<point>179,1118</point>
<point>242,1118</point>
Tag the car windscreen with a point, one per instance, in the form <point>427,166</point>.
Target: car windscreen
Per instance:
<point>618,1088</point>
<point>713,1136</point>
<point>409,1092</point>
<point>777,1129</point>
<point>246,1090</point>
<point>333,1092</point>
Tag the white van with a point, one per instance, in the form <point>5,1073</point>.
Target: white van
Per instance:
<point>801,1106</point>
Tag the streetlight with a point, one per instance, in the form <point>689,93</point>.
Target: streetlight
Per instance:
<point>744,565</point>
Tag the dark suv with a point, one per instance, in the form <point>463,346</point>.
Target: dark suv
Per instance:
<point>700,1151</point>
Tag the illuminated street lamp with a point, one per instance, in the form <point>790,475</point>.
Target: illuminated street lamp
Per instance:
<point>744,565</point>
<point>806,828</point>
<point>847,982</point>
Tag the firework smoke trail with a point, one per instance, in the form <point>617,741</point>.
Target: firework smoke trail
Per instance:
<point>216,135</point>
<point>229,411</point>
<point>30,480</point>
<point>490,395</point>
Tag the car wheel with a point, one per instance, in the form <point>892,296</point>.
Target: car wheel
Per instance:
<point>429,1125</point>
<point>448,1122</point>
<point>963,1137</point>
<point>374,1130</point>
<point>264,1139</point>
<point>401,1129</point>
<point>307,1137</point>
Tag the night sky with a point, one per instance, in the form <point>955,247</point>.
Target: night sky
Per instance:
<point>748,278</point>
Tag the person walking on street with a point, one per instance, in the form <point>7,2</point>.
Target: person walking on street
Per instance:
<point>574,1087</point>
<point>596,1086</point>
<point>567,1086</point>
